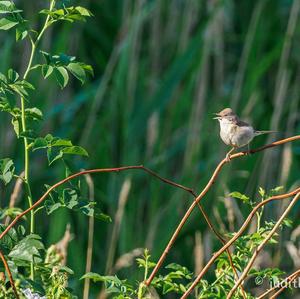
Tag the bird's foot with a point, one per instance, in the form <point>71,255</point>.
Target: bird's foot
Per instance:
<point>228,159</point>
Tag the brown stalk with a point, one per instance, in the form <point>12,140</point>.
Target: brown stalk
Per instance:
<point>288,279</point>
<point>236,236</point>
<point>261,246</point>
<point>89,252</point>
<point>282,289</point>
<point>201,195</point>
<point>15,194</point>
<point>9,275</point>
<point>87,172</point>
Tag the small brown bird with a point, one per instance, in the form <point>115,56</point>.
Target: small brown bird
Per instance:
<point>235,132</point>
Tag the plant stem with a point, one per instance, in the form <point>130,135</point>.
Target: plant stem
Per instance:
<point>23,121</point>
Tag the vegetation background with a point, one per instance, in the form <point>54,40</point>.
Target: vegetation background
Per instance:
<point>162,68</point>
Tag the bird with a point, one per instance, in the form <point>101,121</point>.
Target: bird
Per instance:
<point>235,132</point>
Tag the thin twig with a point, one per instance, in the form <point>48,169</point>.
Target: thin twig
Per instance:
<point>9,275</point>
<point>282,288</point>
<point>203,192</point>
<point>15,194</point>
<point>236,236</point>
<point>288,279</point>
<point>89,252</point>
<point>261,246</point>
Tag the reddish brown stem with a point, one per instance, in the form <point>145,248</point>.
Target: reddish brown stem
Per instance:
<point>236,236</point>
<point>288,279</point>
<point>73,176</point>
<point>12,283</point>
<point>203,192</point>
<point>260,247</point>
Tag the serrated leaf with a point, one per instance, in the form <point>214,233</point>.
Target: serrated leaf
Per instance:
<point>27,249</point>
<point>239,195</point>
<point>7,23</point>
<point>76,69</point>
<point>60,142</point>
<point>62,76</point>
<point>34,113</point>
<point>83,11</point>
<point>7,169</point>
<point>75,150</point>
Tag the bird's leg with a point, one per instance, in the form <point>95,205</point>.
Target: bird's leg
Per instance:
<point>249,151</point>
<point>228,154</point>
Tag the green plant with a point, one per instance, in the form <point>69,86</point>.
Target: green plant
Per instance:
<point>178,279</point>
<point>32,264</point>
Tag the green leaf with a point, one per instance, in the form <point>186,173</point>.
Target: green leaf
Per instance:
<point>75,150</point>
<point>11,238</point>
<point>70,198</point>
<point>53,154</point>
<point>16,124</point>
<point>95,277</point>
<point>76,69</point>
<point>62,76</point>
<point>27,249</point>
<point>261,191</point>
<point>94,212</point>
<point>239,195</point>
<point>83,11</point>
<point>34,113</point>
<point>51,206</point>
<point>276,190</point>
<point>8,7</point>
<point>60,142</point>
<point>7,23</point>
<point>7,170</point>
<point>39,143</point>
<point>12,75</point>
<point>47,70</point>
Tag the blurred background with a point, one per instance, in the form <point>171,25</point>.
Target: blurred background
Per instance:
<point>162,68</point>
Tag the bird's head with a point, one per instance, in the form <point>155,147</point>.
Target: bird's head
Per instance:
<point>226,114</point>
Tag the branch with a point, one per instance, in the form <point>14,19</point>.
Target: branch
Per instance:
<point>9,275</point>
<point>288,279</point>
<point>261,246</point>
<point>73,176</point>
<point>236,236</point>
<point>201,195</point>
<point>87,172</point>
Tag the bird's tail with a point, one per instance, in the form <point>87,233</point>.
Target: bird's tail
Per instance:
<point>264,132</point>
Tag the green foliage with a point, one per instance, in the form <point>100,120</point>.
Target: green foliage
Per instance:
<point>7,170</point>
<point>162,68</point>
<point>71,198</point>
<point>57,147</point>
<point>60,65</point>
<point>35,268</point>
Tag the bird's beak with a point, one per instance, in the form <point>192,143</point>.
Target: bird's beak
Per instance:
<point>217,116</point>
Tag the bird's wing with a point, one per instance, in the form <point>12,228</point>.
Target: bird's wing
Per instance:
<point>241,123</point>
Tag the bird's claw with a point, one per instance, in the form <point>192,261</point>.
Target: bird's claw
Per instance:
<point>228,159</point>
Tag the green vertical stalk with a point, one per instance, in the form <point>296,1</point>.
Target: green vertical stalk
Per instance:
<point>23,121</point>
